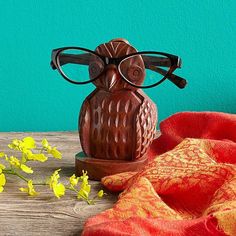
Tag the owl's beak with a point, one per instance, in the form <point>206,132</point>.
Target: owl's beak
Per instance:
<point>111,77</point>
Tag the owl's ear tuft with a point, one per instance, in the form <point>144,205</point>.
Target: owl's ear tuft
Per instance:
<point>120,40</point>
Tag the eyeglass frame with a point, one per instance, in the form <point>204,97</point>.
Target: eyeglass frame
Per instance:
<point>175,63</point>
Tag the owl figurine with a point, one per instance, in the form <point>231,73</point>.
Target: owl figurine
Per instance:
<point>117,121</point>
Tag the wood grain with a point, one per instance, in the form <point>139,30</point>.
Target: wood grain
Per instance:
<point>44,214</point>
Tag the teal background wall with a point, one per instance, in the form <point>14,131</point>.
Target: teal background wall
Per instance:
<point>35,98</point>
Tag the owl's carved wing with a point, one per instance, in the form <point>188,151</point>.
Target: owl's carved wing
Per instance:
<point>84,127</point>
<point>146,120</point>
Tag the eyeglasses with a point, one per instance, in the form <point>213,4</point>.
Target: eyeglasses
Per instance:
<point>76,63</point>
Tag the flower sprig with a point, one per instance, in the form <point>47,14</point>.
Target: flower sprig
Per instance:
<point>29,151</point>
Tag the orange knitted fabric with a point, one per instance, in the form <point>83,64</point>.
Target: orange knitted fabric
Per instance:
<point>187,188</point>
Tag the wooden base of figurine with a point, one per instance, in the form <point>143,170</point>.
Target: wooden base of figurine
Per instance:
<point>98,168</point>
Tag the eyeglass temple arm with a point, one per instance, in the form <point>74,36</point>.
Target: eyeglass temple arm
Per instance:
<point>151,62</point>
<point>178,81</point>
<point>156,61</point>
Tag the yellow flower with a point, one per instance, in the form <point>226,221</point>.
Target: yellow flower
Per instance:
<point>28,155</point>
<point>55,153</point>
<point>58,188</point>
<point>38,157</point>
<point>2,154</point>
<point>100,193</point>
<point>16,163</point>
<point>84,184</point>
<point>2,180</point>
<point>74,180</point>
<point>29,143</point>
<point>84,191</point>
<point>2,167</point>
<point>24,144</point>
<point>85,188</point>
<point>26,169</point>
<point>84,177</point>
<point>30,190</point>
<point>15,144</point>
<point>45,143</point>
<point>51,150</point>
<point>54,178</point>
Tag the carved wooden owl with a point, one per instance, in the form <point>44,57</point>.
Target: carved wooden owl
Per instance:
<point>117,121</point>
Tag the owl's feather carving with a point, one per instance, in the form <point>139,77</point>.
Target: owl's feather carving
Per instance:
<point>145,126</point>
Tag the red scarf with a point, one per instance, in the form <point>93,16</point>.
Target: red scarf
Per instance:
<point>188,187</point>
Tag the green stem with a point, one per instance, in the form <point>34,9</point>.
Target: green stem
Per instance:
<point>71,189</point>
<point>7,171</point>
<point>13,172</point>
<point>90,202</point>
<point>94,199</point>
<point>42,149</point>
<point>21,176</point>
<point>40,184</point>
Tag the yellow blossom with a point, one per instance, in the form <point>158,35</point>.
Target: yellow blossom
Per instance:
<point>84,191</point>
<point>45,143</point>
<point>28,155</point>
<point>28,143</point>
<point>100,193</point>
<point>74,180</point>
<point>2,154</point>
<point>2,180</point>
<point>58,188</point>
<point>84,183</point>
<point>51,150</point>
<point>26,169</point>
<point>2,167</point>
<point>55,153</point>
<point>30,190</point>
<point>15,144</point>
<point>38,157</point>
<point>84,177</point>
<point>16,163</point>
<point>24,144</point>
<point>54,178</point>
<point>85,188</point>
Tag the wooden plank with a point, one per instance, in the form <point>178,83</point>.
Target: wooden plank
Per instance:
<point>44,214</point>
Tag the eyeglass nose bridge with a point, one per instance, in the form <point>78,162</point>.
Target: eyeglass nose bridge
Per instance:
<point>113,61</point>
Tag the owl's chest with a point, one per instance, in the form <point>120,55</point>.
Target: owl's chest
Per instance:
<point>112,123</point>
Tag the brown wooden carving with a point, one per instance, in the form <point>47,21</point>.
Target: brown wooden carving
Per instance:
<point>117,122</point>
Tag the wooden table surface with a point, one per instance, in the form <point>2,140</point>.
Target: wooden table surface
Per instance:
<point>45,214</point>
